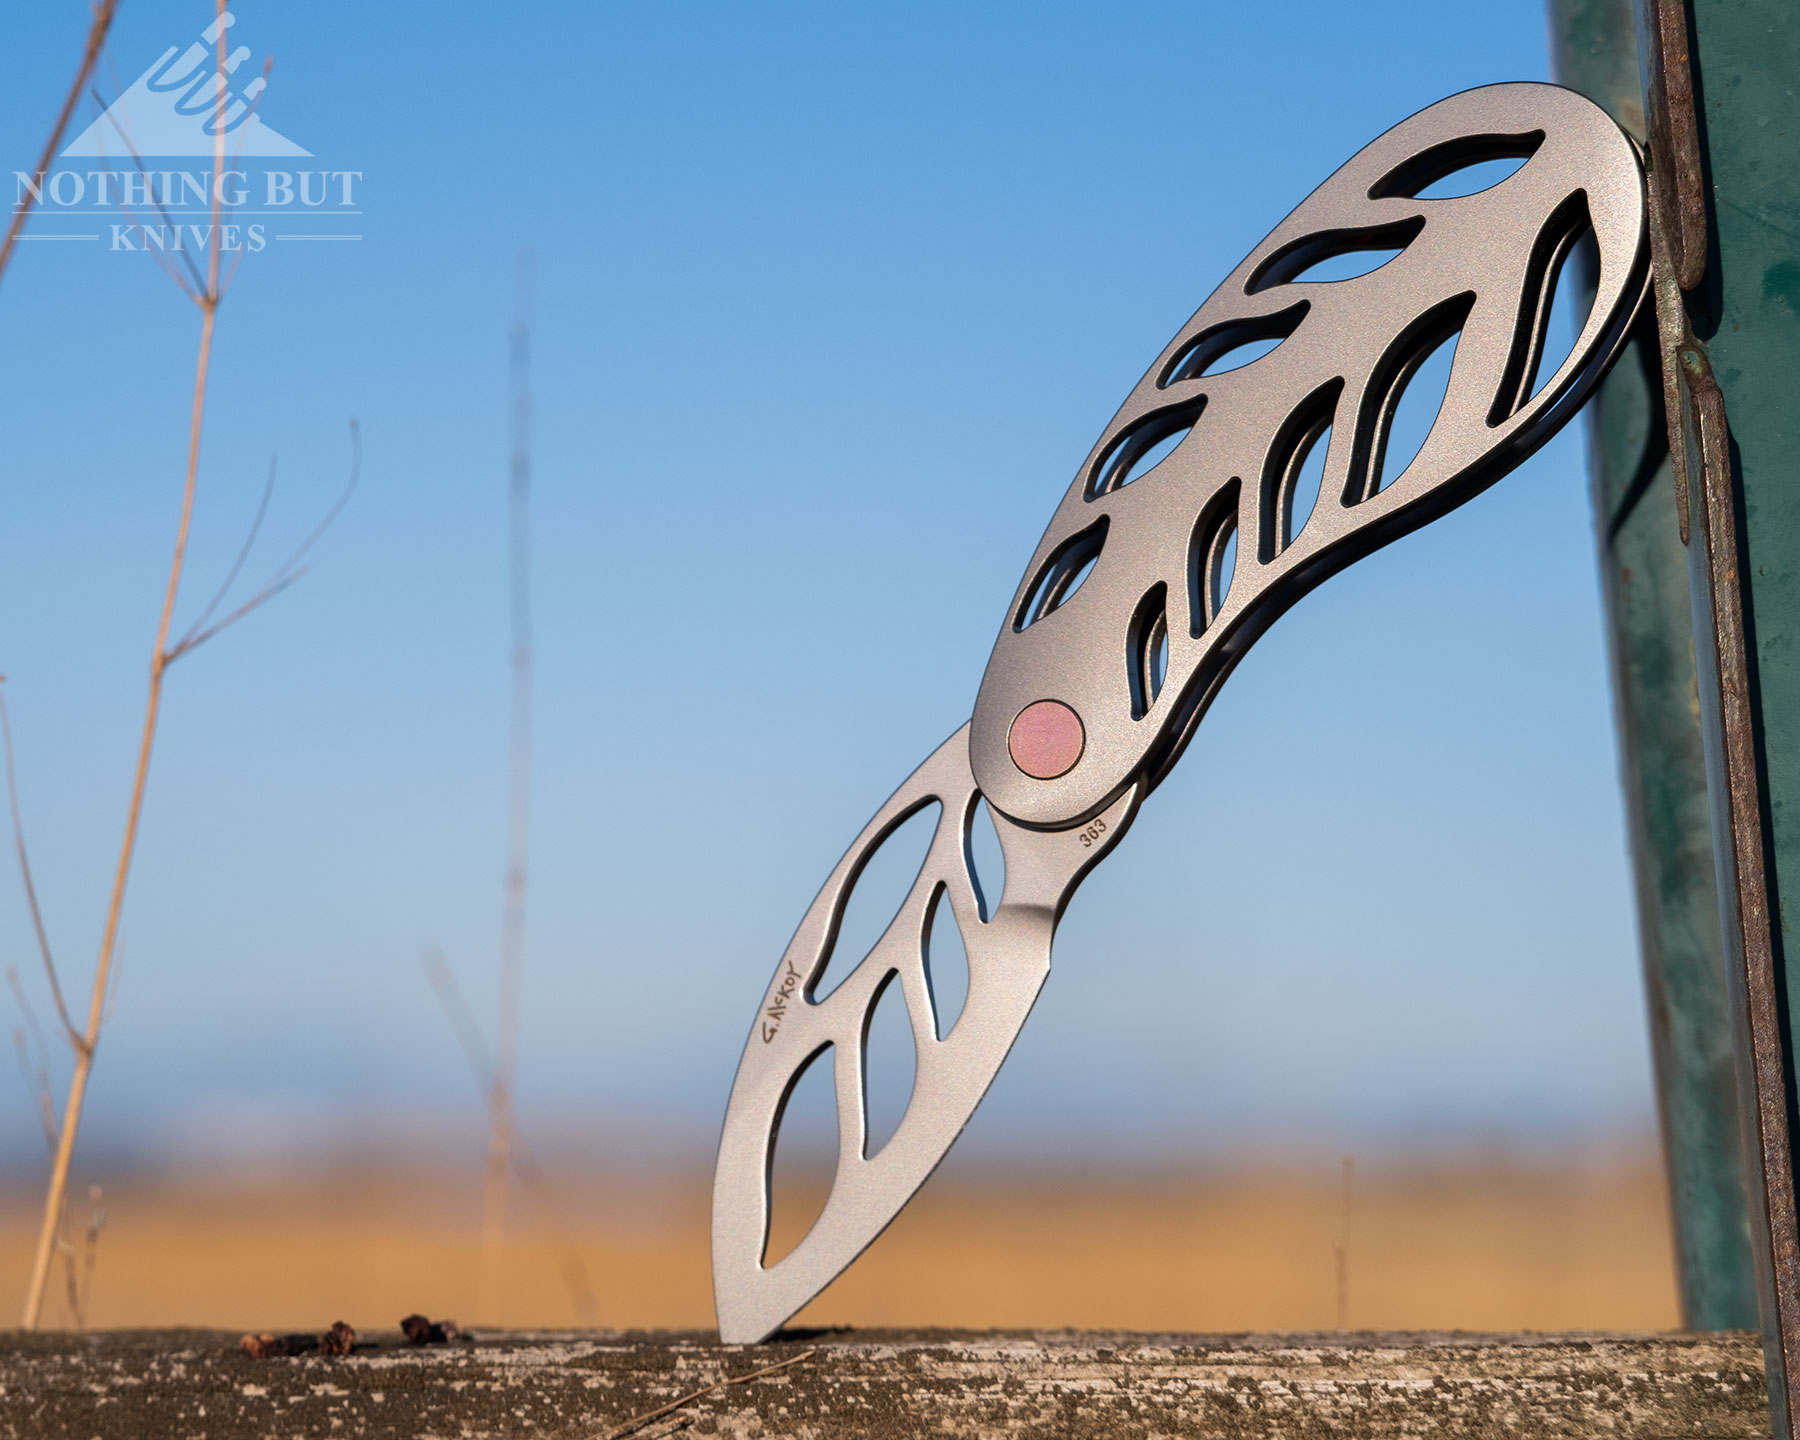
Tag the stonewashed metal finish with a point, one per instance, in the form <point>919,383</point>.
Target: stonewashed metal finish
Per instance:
<point>1176,546</point>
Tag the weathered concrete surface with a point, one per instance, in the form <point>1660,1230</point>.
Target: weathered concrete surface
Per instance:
<point>880,1384</point>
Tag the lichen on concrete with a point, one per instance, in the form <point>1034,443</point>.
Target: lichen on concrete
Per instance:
<point>889,1384</point>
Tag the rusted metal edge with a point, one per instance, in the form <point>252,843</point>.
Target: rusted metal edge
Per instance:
<point>1672,336</point>
<point>1741,855</point>
<point>1674,134</point>
<point>1676,206</point>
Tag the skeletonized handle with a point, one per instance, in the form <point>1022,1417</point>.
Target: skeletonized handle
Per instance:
<point>1478,268</point>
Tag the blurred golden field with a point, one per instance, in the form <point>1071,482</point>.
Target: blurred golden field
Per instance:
<point>1549,1242</point>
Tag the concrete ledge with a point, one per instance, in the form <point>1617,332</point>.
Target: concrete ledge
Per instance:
<point>880,1384</point>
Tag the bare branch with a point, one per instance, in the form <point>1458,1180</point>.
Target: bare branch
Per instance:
<point>237,258</point>
<point>202,292</point>
<point>530,1173</point>
<point>71,1279</point>
<point>36,1072</point>
<point>255,602</point>
<point>57,1192</point>
<point>23,1001</point>
<point>37,915</point>
<point>96,39</point>
<point>461,1017</point>
<point>290,571</point>
<point>575,1273</point>
<point>262,509</point>
<point>96,1223</point>
<point>209,301</point>
<point>46,1108</point>
<point>112,987</point>
<point>38,1083</point>
<point>288,567</point>
<point>191,291</point>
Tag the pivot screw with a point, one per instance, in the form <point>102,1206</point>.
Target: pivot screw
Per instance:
<point>1046,739</point>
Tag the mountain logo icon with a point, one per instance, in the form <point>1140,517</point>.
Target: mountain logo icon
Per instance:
<point>173,108</point>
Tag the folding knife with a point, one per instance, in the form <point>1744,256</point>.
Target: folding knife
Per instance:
<point>1175,547</point>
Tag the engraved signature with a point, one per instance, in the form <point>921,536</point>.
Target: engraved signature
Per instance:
<point>778,1006</point>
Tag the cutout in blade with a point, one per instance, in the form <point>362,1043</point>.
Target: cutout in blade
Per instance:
<point>1467,165</point>
<point>986,860</point>
<point>1147,650</point>
<point>802,1154</point>
<point>1008,960</point>
<point>1212,557</point>
<point>1063,574</point>
<point>946,967</point>
<point>877,891</point>
<point>1231,346</point>
<point>1294,470</point>
<point>890,1062</point>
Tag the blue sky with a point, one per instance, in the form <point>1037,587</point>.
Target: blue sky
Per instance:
<point>831,302</point>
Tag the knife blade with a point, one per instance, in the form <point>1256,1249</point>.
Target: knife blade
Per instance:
<point>1173,549</point>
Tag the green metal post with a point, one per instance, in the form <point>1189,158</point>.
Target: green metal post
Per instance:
<point>1722,102</point>
<point>1644,579</point>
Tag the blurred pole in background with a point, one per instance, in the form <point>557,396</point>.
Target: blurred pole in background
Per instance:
<point>1650,632</point>
<point>518,805</point>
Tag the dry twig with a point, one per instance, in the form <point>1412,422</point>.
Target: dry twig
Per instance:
<point>96,39</point>
<point>37,915</point>
<point>1341,1250</point>
<point>288,573</point>
<point>638,1422</point>
<point>36,1072</point>
<point>37,1080</point>
<point>96,1223</point>
<point>524,1164</point>
<point>159,663</point>
<point>206,292</point>
<point>190,284</point>
<point>237,565</point>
